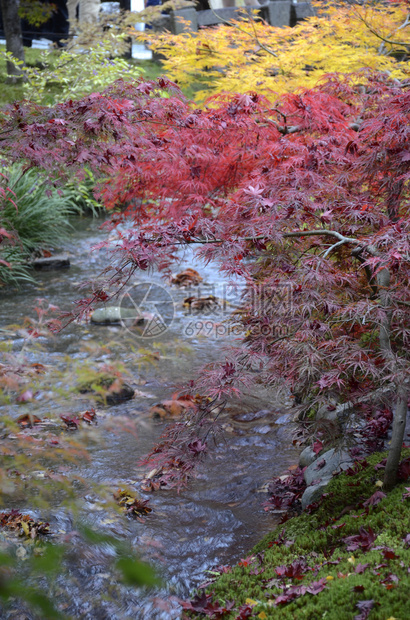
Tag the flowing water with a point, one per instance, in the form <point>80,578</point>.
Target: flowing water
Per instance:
<point>219,517</point>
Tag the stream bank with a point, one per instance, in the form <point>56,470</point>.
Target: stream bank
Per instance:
<point>212,522</point>
<point>347,558</point>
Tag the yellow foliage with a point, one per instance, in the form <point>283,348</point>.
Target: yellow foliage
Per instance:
<point>253,56</point>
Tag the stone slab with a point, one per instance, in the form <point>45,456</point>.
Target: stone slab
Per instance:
<point>47,263</point>
<point>184,20</point>
<point>300,11</point>
<point>277,13</point>
<point>210,18</point>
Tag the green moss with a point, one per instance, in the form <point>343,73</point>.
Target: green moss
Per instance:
<point>317,539</point>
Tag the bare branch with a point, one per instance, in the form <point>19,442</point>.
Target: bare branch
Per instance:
<point>333,247</point>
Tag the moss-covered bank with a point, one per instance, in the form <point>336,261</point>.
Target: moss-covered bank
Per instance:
<point>311,567</point>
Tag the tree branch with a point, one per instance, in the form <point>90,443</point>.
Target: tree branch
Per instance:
<point>378,35</point>
<point>255,35</point>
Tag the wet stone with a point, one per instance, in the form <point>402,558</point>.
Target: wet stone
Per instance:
<point>307,457</point>
<point>126,392</point>
<point>314,492</point>
<point>283,419</point>
<point>48,263</point>
<point>252,415</point>
<point>328,463</point>
<point>112,315</point>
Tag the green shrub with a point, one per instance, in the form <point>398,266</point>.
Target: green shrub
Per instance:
<point>38,218</point>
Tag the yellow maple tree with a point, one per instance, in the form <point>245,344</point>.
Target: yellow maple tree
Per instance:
<point>252,55</point>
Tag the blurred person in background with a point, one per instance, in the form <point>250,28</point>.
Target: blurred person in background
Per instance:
<point>82,12</point>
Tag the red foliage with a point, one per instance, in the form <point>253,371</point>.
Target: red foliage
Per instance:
<point>313,220</point>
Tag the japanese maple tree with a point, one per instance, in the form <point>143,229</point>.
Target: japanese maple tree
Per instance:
<point>306,200</point>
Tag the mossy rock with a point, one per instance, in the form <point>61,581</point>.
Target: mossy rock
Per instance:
<point>108,389</point>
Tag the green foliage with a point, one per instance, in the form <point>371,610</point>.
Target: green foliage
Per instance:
<point>81,194</point>
<point>41,217</point>
<point>318,539</point>
<point>36,12</point>
<point>38,217</point>
<point>73,73</point>
<point>34,59</point>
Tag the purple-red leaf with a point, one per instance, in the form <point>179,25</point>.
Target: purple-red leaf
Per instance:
<point>374,499</point>
<point>364,540</point>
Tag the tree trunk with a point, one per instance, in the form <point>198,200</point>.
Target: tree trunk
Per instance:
<point>400,414</point>
<point>399,425</point>
<point>13,35</point>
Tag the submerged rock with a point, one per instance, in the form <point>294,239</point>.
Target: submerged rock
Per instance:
<point>124,392</point>
<point>283,419</point>
<point>112,315</point>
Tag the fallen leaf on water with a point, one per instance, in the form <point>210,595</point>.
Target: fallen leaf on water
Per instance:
<point>132,505</point>
<point>172,408</point>
<point>28,420</point>
<point>188,277</point>
<point>89,416</point>
<point>23,524</point>
<point>72,422</point>
<point>21,553</point>
<point>25,396</point>
<point>201,303</point>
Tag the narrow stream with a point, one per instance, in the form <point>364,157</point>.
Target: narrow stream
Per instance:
<point>219,517</point>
